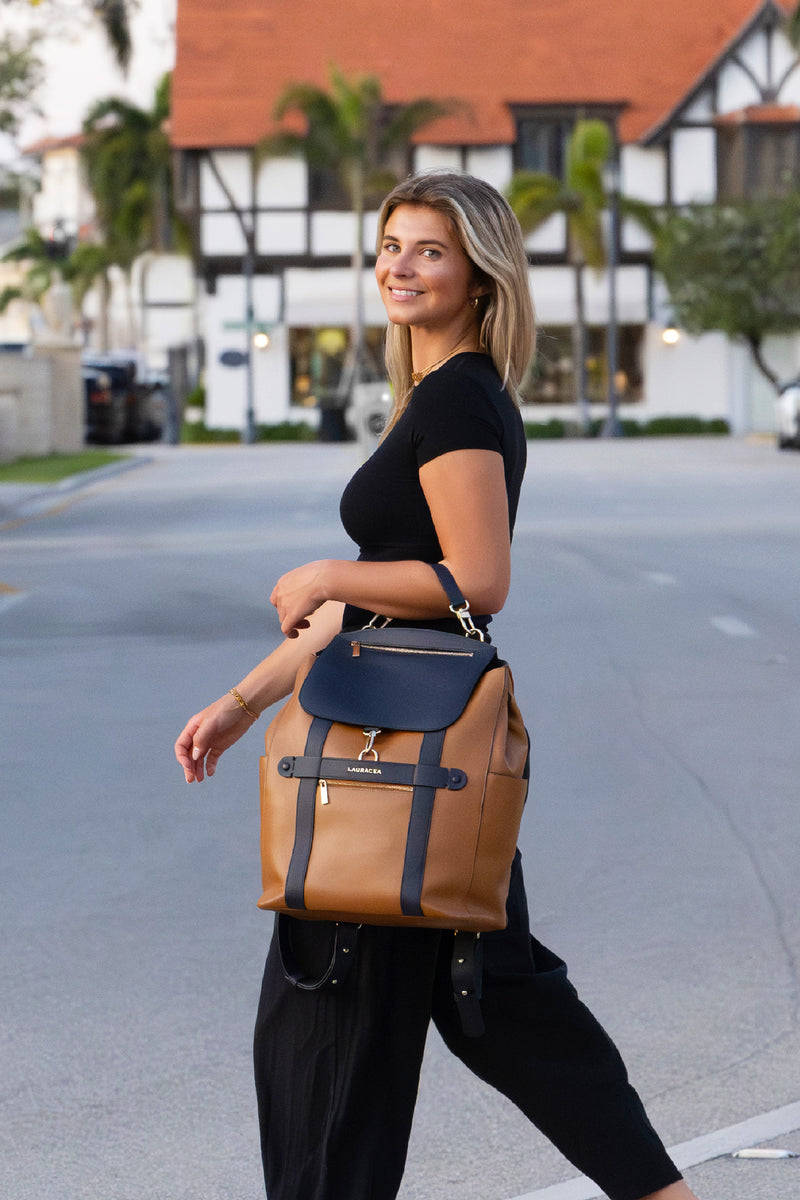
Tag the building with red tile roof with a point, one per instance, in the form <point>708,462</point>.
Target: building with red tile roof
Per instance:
<point>688,89</point>
<point>234,59</point>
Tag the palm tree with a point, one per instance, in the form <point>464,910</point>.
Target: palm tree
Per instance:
<point>86,268</point>
<point>351,130</point>
<point>127,158</point>
<point>45,262</point>
<point>581,197</point>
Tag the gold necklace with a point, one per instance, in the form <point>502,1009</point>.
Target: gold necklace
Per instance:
<point>418,376</point>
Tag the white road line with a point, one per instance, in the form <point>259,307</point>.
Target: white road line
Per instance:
<point>762,1128</point>
<point>662,578</point>
<point>733,627</point>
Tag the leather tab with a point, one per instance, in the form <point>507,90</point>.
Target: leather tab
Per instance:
<point>342,956</point>
<point>466,973</point>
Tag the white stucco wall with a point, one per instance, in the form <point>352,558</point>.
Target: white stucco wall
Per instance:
<point>327,297</point>
<point>643,173</point>
<point>495,164</point>
<point>694,166</point>
<point>735,88</point>
<point>234,167</point>
<point>226,386</point>
<point>333,233</point>
<point>282,183</point>
<point>63,195</point>
<point>554,295</point>
<point>691,377</point>
<point>701,108</point>
<point>221,234</point>
<point>446,157</point>
<point>549,238</point>
<point>164,285</point>
<point>280,233</point>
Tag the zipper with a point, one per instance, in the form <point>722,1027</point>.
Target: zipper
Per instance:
<point>358,647</point>
<point>324,796</point>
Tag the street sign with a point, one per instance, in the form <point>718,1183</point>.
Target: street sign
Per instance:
<point>233,358</point>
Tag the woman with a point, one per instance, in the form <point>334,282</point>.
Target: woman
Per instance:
<point>337,1072</point>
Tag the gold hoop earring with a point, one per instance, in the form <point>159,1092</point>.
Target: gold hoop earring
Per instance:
<point>474,301</point>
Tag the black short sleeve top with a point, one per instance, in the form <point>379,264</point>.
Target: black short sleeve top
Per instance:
<point>461,406</point>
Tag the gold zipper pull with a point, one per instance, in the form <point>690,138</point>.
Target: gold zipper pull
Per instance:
<point>323,791</point>
<point>356,647</point>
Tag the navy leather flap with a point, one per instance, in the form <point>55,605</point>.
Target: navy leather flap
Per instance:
<point>395,678</point>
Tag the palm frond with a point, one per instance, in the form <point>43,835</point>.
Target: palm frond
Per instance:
<point>534,197</point>
<point>31,245</point>
<point>590,142</point>
<point>8,295</point>
<point>410,118</point>
<point>113,15</point>
<point>793,28</point>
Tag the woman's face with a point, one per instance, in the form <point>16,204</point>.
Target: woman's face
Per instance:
<point>424,276</point>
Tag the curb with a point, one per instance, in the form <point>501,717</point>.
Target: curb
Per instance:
<point>34,499</point>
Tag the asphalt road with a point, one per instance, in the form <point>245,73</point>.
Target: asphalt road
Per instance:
<point>653,631</point>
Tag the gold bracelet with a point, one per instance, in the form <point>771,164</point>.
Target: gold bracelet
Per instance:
<point>243,704</point>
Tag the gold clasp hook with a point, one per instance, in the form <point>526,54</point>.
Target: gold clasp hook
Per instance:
<point>467,624</point>
<point>370,735</point>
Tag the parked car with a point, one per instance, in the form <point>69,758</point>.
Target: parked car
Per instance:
<point>787,414</point>
<point>105,412</point>
<point>144,411</point>
<point>153,402</point>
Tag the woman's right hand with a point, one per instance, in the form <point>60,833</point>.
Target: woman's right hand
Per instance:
<point>207,735</point>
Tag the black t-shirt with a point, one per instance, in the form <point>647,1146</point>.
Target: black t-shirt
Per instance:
<point>460,406</point>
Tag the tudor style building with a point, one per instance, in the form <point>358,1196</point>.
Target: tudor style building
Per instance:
<point>703,101</point>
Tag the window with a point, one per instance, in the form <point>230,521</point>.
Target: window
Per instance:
<point>549,379</point>
<point>757,159</point>
<point>319,361</point>
<point>326,190</point>
<point>541,144</point>
<point>543,133</point>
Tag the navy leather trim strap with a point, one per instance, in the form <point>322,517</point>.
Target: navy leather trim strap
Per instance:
<point>419,828</point>
<point>304,822</point>
<point>449,584</point>
<point>353,770</point>
<point>341,960</point>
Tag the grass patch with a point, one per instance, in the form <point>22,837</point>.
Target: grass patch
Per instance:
<point>54,467</point>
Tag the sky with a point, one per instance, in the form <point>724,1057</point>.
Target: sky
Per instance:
<point>80,68</point>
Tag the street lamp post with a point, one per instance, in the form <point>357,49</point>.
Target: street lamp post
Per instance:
<point>249,432</point>
<point>611,425</point>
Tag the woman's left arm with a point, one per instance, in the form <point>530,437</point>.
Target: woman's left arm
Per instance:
<point>466,494</point>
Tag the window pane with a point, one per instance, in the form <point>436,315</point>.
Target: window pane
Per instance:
<point>537,146</point>
<point>550,379</point>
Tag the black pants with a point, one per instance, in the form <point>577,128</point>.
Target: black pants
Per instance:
<point>337,1071</point>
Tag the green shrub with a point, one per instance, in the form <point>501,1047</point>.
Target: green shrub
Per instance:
<point>553,428</point>
<point>196,398</point>
<point>285,431</point>
<point>684,427</point>
<point>195,431</point>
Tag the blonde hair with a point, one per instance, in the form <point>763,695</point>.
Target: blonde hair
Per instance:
<point>490,236</point>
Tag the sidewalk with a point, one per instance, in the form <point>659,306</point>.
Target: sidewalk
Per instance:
<point>711,1169</point>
